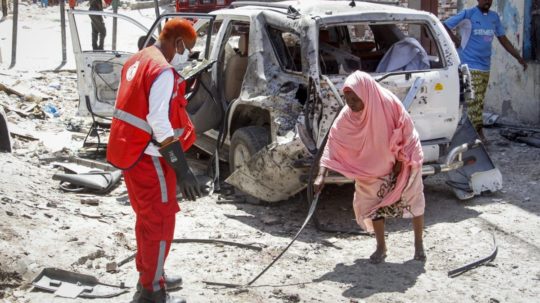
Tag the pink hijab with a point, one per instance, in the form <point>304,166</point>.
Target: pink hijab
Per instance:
<point>365,145</point>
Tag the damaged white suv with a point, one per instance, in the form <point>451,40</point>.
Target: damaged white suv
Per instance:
<point>269,85</point>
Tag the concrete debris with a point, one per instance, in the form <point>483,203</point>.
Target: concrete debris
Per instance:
<point>270,219</point>
<point>100,253</point>
<point>90,201</point>
<point>90,214</point>
<point>279,294</point>
<point>111,267</point>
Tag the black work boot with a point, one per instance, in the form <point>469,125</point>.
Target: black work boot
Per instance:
<point>171,282</point>
<point>160,296</point>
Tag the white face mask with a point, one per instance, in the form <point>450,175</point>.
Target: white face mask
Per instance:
<point>180,58</point>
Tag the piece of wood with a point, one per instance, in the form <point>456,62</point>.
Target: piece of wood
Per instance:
<point>15,130</point>
<point>10,90</point>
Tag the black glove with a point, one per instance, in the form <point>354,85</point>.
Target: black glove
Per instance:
<point>174,155</point>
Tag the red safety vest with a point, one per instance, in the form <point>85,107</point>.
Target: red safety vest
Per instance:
<point>130,132</point>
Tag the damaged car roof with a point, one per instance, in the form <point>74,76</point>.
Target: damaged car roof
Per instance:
<point>323,9</point>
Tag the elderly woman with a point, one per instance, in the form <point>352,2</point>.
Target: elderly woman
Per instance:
<point>373,141</point>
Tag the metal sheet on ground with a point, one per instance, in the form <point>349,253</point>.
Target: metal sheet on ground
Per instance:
<point>460,179</point>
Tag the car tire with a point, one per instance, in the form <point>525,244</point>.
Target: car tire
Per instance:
<point>245,142</point>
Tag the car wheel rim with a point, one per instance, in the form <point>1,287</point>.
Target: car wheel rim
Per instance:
<point>241,155</point>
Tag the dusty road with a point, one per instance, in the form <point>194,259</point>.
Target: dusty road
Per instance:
<point>42,226</point>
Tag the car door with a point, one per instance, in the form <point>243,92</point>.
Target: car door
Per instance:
<point>99,71</point>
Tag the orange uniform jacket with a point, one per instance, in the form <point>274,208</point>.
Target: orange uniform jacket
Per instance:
<point>130,132</point>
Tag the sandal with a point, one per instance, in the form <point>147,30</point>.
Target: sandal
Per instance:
<point>420,257</point>
<point>376,258</point>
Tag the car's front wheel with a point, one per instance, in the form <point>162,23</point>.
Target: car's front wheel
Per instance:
<point>245,142</point>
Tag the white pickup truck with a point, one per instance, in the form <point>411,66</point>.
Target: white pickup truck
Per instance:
<point>270,80</point>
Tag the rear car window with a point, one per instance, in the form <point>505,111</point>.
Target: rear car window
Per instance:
<point>378,48</point>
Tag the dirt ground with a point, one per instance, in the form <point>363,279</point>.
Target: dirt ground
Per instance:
<point>41,226</point>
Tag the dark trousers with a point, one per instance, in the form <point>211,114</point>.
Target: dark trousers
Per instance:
<point>4,8</point>
<point>98,32</point>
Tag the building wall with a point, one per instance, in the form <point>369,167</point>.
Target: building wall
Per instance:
<point>512,93</point>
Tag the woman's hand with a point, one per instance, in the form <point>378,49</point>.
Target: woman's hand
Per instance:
<point>318,184</point>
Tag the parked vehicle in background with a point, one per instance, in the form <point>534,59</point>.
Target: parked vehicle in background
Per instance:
<point>274,88</point>
<point>200,6</point>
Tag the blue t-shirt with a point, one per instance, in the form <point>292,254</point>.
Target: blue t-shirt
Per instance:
<point>477,31</point>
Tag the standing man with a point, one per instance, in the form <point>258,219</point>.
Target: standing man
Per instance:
<point>4,8</point>
<point>150,131</point>
<point>478,26</point>
<point>98,26</point>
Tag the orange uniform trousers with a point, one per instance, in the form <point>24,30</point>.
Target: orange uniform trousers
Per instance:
<point>151,186</point>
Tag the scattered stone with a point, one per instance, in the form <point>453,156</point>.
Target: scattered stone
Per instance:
<point>48,215</point>
<point>91,214</point>
<point>278,293</point>
<point>7,199</point>
<point>100,253</point>
<point>270,219</point>
<point>51,205</point>
<point>55,85</point>
<point>90,201</point>
<point>73,239</point>
<point>9,213</point>
<point>239,291</point>
<point>111,267</point>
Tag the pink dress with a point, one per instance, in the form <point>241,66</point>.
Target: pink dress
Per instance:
<point>365,145</point>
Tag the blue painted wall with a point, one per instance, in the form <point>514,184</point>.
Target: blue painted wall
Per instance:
<point>527,30</point>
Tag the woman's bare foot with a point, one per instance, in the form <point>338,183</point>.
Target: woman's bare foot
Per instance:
<point>378,256</point>
<point>419,253</point>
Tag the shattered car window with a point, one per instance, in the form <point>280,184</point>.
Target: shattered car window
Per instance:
<point>287,47</point>
<point>377,48</point>
<point>215,30</point>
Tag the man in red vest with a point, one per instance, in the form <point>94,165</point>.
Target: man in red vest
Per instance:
<point>149,133</point>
